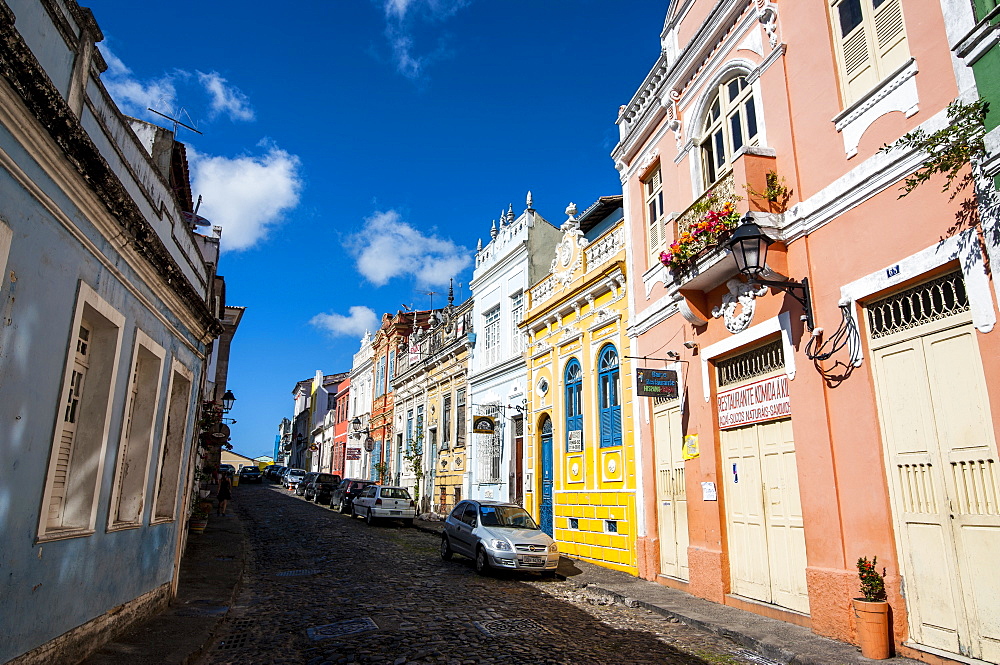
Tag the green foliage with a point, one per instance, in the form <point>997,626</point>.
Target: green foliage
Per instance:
<point>414,458</point>
<point>872,581</point>
<point>950,149</point>
<point>775,189</point>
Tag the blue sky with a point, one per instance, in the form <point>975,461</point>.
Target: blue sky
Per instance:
<point>354,151</point>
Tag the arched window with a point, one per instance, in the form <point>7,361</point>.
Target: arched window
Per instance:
<point>609,402</point>
<point>731,123</point>
<point>574,406</point>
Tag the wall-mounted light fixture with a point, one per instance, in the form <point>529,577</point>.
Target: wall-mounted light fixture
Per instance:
<point>749,247</point>
<point>227,401</point>
<point>691,345</point>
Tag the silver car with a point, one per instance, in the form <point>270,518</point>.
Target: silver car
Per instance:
<point>498,535</point>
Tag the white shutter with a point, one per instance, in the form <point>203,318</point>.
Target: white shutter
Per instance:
<point>71,413</point>
<point>890,37</point>
<point>654,212</point>
<point>860,74</point>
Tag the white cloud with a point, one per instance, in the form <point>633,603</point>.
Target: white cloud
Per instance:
<point>247,195</point>
<point>400,17</point>
<point>132,95</point>
<point>355,324</point>
<point>388,247</point>
<point>225,98</point>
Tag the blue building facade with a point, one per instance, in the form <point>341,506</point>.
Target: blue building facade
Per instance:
<point>106,324</point>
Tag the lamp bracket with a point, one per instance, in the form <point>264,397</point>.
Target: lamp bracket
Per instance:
<point>798,290</point>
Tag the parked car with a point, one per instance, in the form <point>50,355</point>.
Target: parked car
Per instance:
<point>266,471</point>
<point>250,474</point>
<point>320,487</point>
<point>300,489</point>
<point>277,472</point>
<point>378,502</point>
<point>227,470</point>
<point>348,490</point>
<point>292,478</point>
<point>498,535</point>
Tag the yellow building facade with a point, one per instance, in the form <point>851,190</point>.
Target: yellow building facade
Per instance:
<point>580,454</point>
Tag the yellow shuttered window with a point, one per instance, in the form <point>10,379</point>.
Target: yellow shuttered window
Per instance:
<point>871,43</point>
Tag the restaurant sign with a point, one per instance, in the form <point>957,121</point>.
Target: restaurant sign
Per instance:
<point>754,402</point>
<point>353,453</point>
<point>656,382</point>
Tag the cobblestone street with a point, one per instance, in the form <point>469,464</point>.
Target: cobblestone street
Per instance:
<point>321,587</point>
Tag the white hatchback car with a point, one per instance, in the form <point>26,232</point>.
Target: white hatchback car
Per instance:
<point>498,535</point>
<point>378,501</point>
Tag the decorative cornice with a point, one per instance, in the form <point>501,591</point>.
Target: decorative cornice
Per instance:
<point>31,83</point>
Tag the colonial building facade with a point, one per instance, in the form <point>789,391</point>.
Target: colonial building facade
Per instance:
<point>580,460</point>
<point>513,260</point>
<point>849,408</point>
<point>431,387</point>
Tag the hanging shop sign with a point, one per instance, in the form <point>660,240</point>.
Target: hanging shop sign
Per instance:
<point>755,402</point>
<point>484,425</point>
<point>369,444</point>
<point>656,382</point>
<point>353,454</point>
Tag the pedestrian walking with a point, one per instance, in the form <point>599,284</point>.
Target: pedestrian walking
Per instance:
<point>225,493</point>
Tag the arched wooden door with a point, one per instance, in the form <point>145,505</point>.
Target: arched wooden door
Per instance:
<point>545,506</point>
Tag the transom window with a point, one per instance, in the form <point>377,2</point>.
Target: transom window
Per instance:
<point>731,124</point>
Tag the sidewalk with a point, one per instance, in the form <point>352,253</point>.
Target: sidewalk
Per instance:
<point>209,581</point>
<point>776,640</point>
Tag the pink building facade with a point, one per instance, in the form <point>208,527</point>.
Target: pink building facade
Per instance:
<point>795,447</point>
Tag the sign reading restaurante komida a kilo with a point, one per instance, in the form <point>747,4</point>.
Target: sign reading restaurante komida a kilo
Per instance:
<point>656,382</point>
<point>755,402</point>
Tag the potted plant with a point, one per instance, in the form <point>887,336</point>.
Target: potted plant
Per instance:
<point>872,611</point>
<point>201,507</point>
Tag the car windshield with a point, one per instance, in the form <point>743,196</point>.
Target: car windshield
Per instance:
<point>513,517</point>
<point>394,493</point>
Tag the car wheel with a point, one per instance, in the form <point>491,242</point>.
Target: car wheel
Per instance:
<point>368,517</point>
<point>354,513</point>
<point>482,563</point>
<point>445,548</point>
<point>344,508</point>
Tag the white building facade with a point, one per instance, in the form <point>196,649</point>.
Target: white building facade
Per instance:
<point>357,459</point>
<point>514,259</point>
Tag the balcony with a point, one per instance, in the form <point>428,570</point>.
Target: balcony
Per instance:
<point>708,265</point>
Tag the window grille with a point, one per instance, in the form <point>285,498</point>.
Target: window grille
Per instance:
<point>930,301</point>
<point>489,446</point>
<point>757,362</point>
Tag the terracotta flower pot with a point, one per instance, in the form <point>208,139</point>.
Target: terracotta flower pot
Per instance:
<point>873,628</point>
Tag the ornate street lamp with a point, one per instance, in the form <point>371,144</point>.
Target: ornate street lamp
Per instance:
<point>749,247</point>
<point>227,401</point>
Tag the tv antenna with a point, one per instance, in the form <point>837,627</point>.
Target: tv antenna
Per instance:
<point>175,120</point>
<point>431,294</point>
